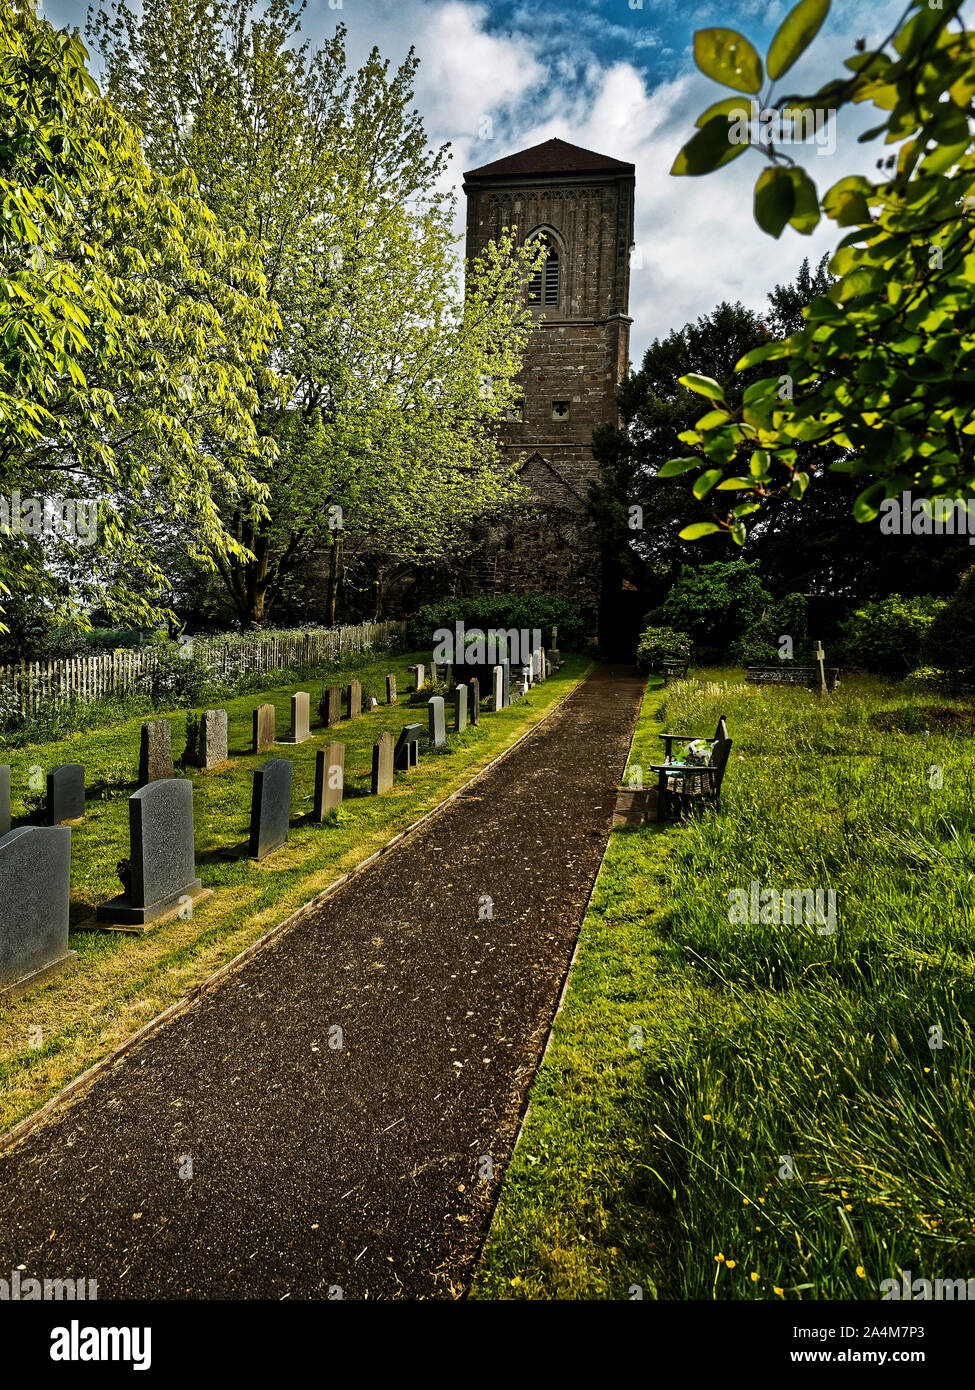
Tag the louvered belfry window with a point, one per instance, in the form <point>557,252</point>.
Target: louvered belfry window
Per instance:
<point>544,286</point>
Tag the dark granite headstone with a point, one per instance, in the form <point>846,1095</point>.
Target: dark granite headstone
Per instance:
<point>35,894</point>
<point>299,719</point>
<point>329,779</point>
<point>382,764</point>
<point>460,709</point>
<point>438,722</point>
<point>474,700</point>
<point>407,751</point>
<point>155,752</point>
<point>65,793</point>
<point>332,711</point>
<point>270,807</point>
<point>211,741</point>
<point>4,799</point>
<point>162,863</point>
<point>353,700</point>
<point>263,729</point>
<point>390,690</point>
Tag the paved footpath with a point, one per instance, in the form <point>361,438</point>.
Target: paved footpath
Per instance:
<point>236,1154</point>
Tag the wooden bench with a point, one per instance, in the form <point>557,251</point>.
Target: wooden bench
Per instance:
<point>787,674</point>
<point>683,789</point>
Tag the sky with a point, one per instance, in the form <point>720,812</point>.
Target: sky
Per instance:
<point>616,76</point>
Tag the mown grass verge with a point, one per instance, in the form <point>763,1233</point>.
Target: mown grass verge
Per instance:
<point>122,982</point>
<point>783,1124</point>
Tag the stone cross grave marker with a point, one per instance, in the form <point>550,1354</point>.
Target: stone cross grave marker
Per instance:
<point>65,793</point>
<point>353,700</point>
<point>35,896</point>
<point>4,799</point>
<point>270,807</point>
<point>437,720</point>
<point>333,707</point>
<point>300,717</point>
<point>407,751</point>
<point>460,708</point>
<point>474,687</point>
<point>263,729</point>
<point>155,752</point>
<point>820,656</point>
<point>329,779</point>
<point>382,764</point>
<point>211,742</point>
<point>162,862</point>
<point>390,690</point>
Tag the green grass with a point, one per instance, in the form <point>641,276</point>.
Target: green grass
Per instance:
<point>765,1049</point>
<point>121,982</point>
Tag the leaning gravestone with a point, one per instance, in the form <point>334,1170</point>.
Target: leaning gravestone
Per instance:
<point>497,688</point>
<point>155,752</point>
<point>353,700</point>
<point>299,719</point>
<point>35,895</point>
<point>270,807</point>
<point>474,686</point>
<point>460,709</point>
<point>65,793</point>
<point>382,764</point>
<point>162,863</point>
<point>438,722</point>
<point>263,729</point>
<point>4,799</point>
<point>407,751</point>
<point>331,707</point>
<point>329,779</point>
<point>211,740</point>
<point>390,690</point>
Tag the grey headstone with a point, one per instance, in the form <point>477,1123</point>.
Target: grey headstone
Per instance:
<point>407,751</point>
<point>353,700</point>
<point>35,895</point>
<point>382,764</point>
<point>460,709</point>
<point>542,664</point>
<point>332,713</point>
<point>270,807</point>
<point>329,779</point>
<point>555,659</point>
<point>497,687</point>
<point>263,729</point>
<point>474,687</point>
<point>211,748</point>
<point>155,752</point>
<point>553,641</point>
<point>419,670</point>
<point>299,732</point>
<point>4,799</point>
<point>65,793</point>
<point>390,690</point>
<point>438,722</point>
<point>162,862</point>
<point>524,679</point>
<point>506,690</point>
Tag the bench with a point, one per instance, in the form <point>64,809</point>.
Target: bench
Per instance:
<point>685,788</point>
<point>786,674</point>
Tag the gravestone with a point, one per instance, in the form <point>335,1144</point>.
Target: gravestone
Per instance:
<point>35,895</point>
<point>437,720</point>
<point>162,863</point>
<point>270,807</point>
<point>263,729</point>
<point>333,707</point>
<point>155,752</point>
<point>447,675</point>
<point>4,799</point>
<point>390,690</point>
<point>329,779</point>
<point>372,703</point>
<point>353,700</point>
<point>419,672</point>
<point>299,719</point>
<point>524,680</point>
<point>407,751</point>
<point>65,793</point>
<point>542,664</point>
<point>211,741</point>
<point>474,687</point>
<point>497,687</point>
<point>434,673</point>
<point>460,709</point>
<point>555,659</point>
<point>553,640</point>
<point>382,764</point>
<point>506,686</point>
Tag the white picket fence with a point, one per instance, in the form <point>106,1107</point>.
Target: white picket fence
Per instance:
<point>29,685</point>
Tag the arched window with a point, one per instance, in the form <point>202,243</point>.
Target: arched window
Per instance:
<point>543,288</point>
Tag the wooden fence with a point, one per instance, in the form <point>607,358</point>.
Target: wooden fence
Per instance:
<point>31,684</point>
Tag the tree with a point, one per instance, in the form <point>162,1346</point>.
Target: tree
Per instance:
<point>397,375</point>
<point>132,332</point>
<point>881,367</point>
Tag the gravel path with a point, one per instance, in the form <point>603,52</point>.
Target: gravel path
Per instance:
<point>238,1153</point>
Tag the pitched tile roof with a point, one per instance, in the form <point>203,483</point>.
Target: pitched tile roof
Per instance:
<point>551,157</point>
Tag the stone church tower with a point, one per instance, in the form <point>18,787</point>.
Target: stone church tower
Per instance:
<point>580,204</point>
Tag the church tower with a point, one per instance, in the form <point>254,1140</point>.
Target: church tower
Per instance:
<point>580,205</point>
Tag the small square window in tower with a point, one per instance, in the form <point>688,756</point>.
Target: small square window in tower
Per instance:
<point>560,410</point>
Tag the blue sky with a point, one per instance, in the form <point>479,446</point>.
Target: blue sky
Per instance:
<point>616,76</point>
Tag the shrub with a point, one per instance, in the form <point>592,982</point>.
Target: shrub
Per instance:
<point>716,603</point>
<point>890,635</point>
<point>502,611</point>
<point>759,645</point>
<point>950,643</point>
<point>660,644</point>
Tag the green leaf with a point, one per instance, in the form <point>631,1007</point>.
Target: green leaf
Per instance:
<point>846,201</point>
<point>732,108</point>
<point>775,199</point>
<point>674,466</point>
<point>704,484</point>
<point>699,528</point>
<point>703,385</point>
<point>735,484</point>
<point>867,505</point>
<point>708,150</point>
<point>795,34</point>
<point>805,218</point>
<point>729,58</point>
